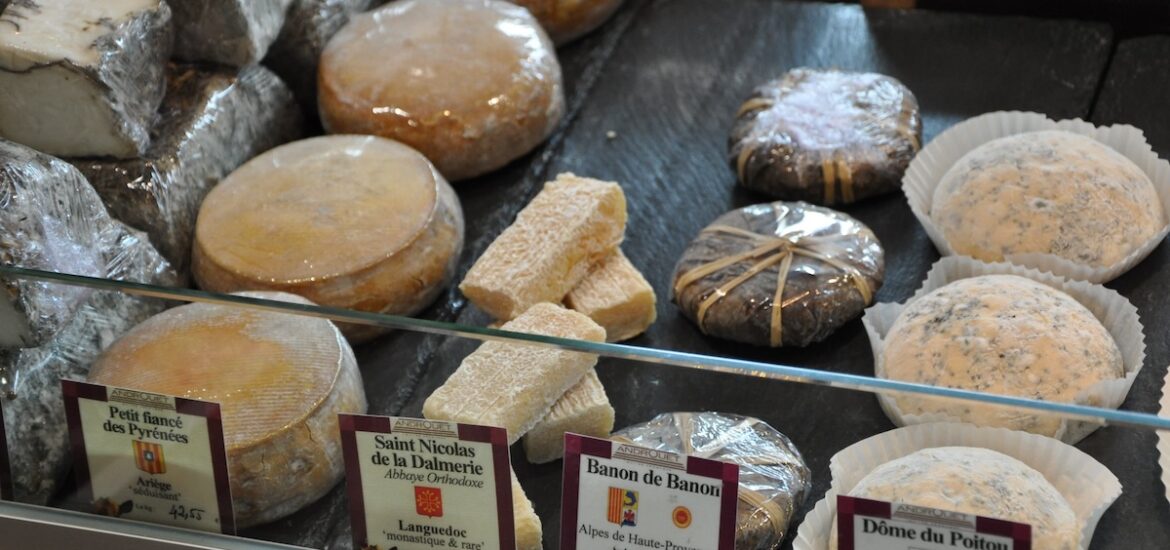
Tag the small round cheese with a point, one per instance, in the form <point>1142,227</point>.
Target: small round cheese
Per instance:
<point>472,84</point>
<point>1049,192</point>
<point>357,222</point>
<point>280,381</point>
<point>1000,334</point>
<point>975,481</point>
<point>567,20</point>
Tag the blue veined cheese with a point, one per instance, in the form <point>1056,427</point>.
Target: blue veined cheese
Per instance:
<point>82,78</point>
<point>975,481</point>
<point>1049,192</point>
<point>1001,334</point>
<point>235,33</point>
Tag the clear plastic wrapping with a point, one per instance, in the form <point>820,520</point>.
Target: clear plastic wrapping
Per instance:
<point>384,236</point>
<point>774,481</point>
<point>31,389</point>
<point>83,78</point>
<point>825,136</point>
<point>308,26</point>
<point>211,122</point>
<point>471,84</point>
<point>822,265</point>
<point>235,33</point>
<point>50,219</point>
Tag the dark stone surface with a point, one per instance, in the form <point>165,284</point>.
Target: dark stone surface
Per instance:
<point>1134,93</point>
<point>670,92</point>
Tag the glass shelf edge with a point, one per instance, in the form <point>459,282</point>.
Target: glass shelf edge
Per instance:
<point>1096,415</point>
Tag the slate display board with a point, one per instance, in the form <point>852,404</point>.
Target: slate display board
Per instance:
<point>666,77</point>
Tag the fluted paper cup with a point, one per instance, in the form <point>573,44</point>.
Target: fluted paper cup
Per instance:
<point>1113,310</point>
<point>1088,486</point>
<point>930,165</point>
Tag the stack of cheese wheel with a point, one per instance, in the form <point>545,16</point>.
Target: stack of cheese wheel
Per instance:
<point>472,84</point>
<point>280,381</point>
<point>357,222</point>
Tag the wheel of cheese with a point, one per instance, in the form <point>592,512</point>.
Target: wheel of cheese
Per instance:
<point>1049,192</point>
<point>280,381</point>
<point>567,20</point>
<point>1000,334</point>
<point>472,84</point>
<point>357,222</point>
<point>975,481</point>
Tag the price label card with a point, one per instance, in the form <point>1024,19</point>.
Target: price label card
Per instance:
<point>624,497</point>
<point>864,524</point>
<point>425,484</point>
<point>5,465</point>
<point>149,457</point>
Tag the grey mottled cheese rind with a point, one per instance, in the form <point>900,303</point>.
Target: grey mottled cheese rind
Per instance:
<point>50,219</point>
<point>817,298</point>
<point>34,413</point>
<point>1001,334</point>
<point>81,78</point>
<point>975,481</point>
<point>308,26</point>
<point>235,33</point>
<point>1048,192</point>
<point>825,136</point>
<point>210,123</point>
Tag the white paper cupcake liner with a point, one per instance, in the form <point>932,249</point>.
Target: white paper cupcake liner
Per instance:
<point>929,165</point>
<point>1088,486</point>
<point>1164,436</point>
<point>1116,313</point>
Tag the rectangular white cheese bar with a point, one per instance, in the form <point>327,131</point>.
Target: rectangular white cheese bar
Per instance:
<point>235,33</point>
<point>81,77</point>
<point>617,297</point>
<point>210,123</point>
<point>513,385</point>
<point>584,409</point>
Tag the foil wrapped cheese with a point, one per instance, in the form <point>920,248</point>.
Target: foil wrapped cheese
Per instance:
<point>235,33</point>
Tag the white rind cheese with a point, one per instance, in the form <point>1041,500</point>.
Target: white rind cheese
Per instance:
<point>514,385</point>
<point>280,380</point>
<point>82,78</point>
<point>1000,334</point>
<point>1048,192</point>
<point>235,33</point>
<point>975,481</point>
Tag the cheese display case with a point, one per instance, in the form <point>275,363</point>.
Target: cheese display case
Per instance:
<point>641,265</point>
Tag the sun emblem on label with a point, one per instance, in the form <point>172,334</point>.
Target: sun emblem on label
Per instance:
<point>428,501</point>
<point>681,516</point>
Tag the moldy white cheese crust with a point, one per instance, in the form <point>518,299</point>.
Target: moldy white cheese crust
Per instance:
<point>1048,192</point>
<point>1000,334</point>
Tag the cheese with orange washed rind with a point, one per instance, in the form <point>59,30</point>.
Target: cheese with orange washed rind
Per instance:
<point>356,222</point>
<point>569,227</point>
<point>280,381</point>
<point>514,385</point>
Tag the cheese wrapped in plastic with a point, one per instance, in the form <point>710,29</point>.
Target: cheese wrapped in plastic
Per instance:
<point>81,78</point>
<point>210,123</point>
<point>235,33</point>
<point>774,481</point>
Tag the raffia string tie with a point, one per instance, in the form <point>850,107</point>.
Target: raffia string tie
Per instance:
<point>769,251</point>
